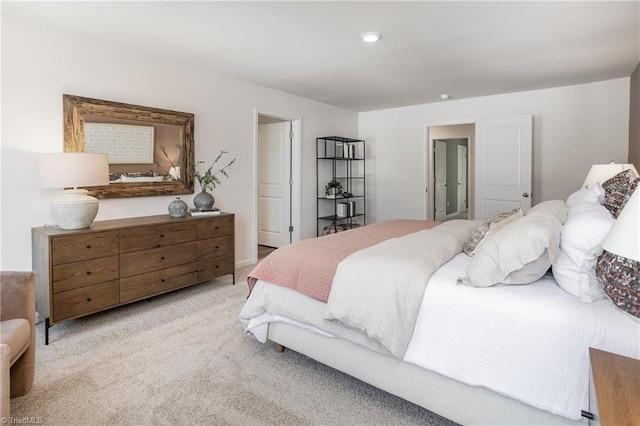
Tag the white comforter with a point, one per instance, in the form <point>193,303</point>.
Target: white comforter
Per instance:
<point>529,342</point>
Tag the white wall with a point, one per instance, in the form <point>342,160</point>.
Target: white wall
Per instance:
<point>573,128</point>
<point>39,65</point>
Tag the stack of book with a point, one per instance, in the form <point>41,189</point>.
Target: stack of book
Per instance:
<point>214,211</point>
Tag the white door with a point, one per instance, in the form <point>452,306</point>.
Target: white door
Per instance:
<point>274,202</point>
<point>503,165</point>
<point>440,169</point>
<point>462,178</point>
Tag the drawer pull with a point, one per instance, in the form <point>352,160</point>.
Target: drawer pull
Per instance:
<point>162,280</point>
<point>88,272</point>
<point>158,245</point>
<point>162,258</point>
<point>217,247</point>
<point>217,227</point>
<point>88,299</point>
<point>88,246</point>
<point>217,266</point>
<point>161,235</point>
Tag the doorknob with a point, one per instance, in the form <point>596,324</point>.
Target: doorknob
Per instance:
<point>525,195</point>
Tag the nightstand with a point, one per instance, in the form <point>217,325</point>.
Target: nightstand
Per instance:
<point>616,380</point>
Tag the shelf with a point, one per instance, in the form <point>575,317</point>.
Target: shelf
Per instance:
<point>340,139</point>
<point>341,198</point>
<point>340,159</point>
<point>336,217</point>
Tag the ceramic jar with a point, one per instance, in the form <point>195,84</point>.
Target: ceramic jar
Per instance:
<point>178,208</point>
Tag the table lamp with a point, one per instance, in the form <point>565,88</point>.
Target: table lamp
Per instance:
<point>624,237</point>
<point>602,172</point>
<point>73,208</point>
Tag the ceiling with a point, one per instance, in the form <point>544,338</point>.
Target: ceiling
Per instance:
<point>314,50</point>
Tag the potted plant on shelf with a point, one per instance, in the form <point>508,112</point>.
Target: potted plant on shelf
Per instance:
<point>333,189</point>
<point>208,181</point>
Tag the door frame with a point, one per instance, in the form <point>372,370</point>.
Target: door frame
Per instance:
<point>442,143</point>
<point>428,173</point>
<point>466,185</point>
<point>296,160</point>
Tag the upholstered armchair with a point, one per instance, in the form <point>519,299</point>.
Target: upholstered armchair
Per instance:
<point>18,336</point>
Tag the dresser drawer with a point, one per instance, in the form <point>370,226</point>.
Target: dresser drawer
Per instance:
<point>216,266</point>
<point>144,285</point>
<point>148,237</point>
<point>143,261</point>
<point>72,248</point>
<point>84,300</point>
<point>214,247</point>
<point>68,276</point>
<point>215,227</point>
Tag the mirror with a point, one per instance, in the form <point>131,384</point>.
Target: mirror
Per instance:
<point>143,144</point>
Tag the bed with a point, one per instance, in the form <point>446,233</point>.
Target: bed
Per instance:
<point>427,312</point>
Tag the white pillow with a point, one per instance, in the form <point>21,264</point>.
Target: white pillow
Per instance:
<point>551,208</point>
<point>491,226</point>
<point>580,245</point>
<point>592,195</point>
<point>514,247</point>
<point>530,272</point>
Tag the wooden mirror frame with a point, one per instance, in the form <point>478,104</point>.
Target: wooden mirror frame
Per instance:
<point>76,108</point>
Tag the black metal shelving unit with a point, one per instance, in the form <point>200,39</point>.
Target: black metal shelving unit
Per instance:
<point>343,160</point>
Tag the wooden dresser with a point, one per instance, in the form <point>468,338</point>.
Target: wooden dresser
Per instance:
<point>115,262</point>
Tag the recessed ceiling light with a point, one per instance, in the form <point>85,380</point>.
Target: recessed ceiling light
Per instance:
<point>370,37</point>
<point>445,96</point>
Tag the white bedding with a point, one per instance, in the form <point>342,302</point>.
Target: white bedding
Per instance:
<point>528,342</point>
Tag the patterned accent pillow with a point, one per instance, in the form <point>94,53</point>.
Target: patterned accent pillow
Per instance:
<point>620,278</point>
<point>618,190</point>
<point>489,227</point>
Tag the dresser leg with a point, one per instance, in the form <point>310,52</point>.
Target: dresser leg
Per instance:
<point>46,331</point>
<point>234,278</point>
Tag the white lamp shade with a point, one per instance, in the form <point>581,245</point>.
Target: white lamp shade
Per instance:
<point>73,169</point>
<point>624,237</point>
<point>602,172</point>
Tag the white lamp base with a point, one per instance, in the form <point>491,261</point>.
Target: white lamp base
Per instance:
<point>74,209</point>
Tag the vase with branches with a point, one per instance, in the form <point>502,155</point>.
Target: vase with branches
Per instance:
<point>208,180</point>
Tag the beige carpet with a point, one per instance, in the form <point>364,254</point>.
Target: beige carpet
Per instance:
<point>182,358</point>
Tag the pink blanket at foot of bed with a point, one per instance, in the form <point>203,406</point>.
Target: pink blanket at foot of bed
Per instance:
<point>309,266</point>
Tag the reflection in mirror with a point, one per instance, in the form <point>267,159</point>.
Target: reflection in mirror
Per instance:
<point>149,148</point>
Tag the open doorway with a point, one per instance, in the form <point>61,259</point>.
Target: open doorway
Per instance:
<point>450,172</point>
<point>277,173</point>
<point>450,165</point>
